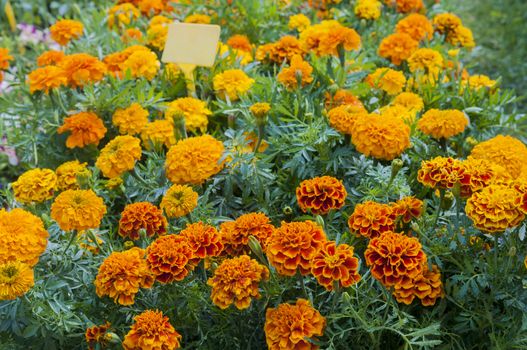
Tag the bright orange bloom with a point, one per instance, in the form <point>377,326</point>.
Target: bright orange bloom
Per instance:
<point>68,172</point>
<point>130,120</point>
<point>46,78</point>
<point>158,133</point>
<point>442,123</point>
<point>97,335</point>
<point>282,50</point>
<point>170,258</point>
<point>63,31</point>
<point>204,240</point>
<point>371,219</point>
<point>78,210</point>
<point>240,42</point>
<point>119,156</point>
<point>152,330</point>
<point>297,74</point>
<point>342,97</point>
<point>443,173</point>
<point>142,216</point>
<point>321,194</point>
<point>482,172</point>
<point>142,63</point>
<point>417,26</point>
<point>81,69</point>
<point>343,117</point>
<point>426,286</point>
<point>389,80</point>
<point>335,263</point>
<point>5,57</point>
<point>86,129</point>
<point>507,151</point>
<point>235,234</point>
<point>232,83</point>
<point>327,37</point>
<point>397,47</point>
<point>51,57</point>
<point>407,208</point>
<point>406,6</point>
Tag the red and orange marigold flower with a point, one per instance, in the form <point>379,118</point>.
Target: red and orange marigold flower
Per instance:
<point>170,258</point>
<point>371,219</point>
<point>142,216</point>
<point>427,287</point>
<point>321,194</point>
<point>443,172</point>
<point>204,240</point>
<point>335,264</point>
<point>97,335</point>
<point>408,208</point>
<point>235,234</point>
<point>152,330</point>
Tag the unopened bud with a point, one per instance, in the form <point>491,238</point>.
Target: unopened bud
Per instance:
<point>128,245</point>
<point>448,199</point>
<point>397,165</point>
<point>287,210</point>
<point>471,141</point>
<point>512,251</point>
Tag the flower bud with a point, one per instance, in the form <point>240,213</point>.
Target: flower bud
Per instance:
<point>287,210</point>
<point>397,165</point>
<point>128,245</point>
<point>448,200</point>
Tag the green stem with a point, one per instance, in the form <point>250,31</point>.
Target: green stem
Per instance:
<point>261,132</point>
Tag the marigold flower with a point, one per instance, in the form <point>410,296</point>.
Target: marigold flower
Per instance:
<point>426,60</point>
<point>299,22</point>
<point>51,57</point>
<point>204,240</point>
<point>443,173</point>
<point>131,34</point>
<point>78,210</point>
<point>198,18</point>
<point>81,69</point>
<point>152,330</point>
<point>293,245</point>
<point>63,31</point>
<point>446,22</point>
<point>482,173</point>
<point>157,35</point>
<point>97,335</point>
<point>194,160</point>
<point>495,208</point>
<point>342,118</point>
<point>335,263</point>
<point>397,47</point>
<point>89,241</point>
<point>341,97</point>
<point>442,123</point>
<point>235,234</point>
<point>408,208</point>
<point>67,174</point>
<point>477,82</point>
<point>157,133</point>
<point>260,109</point>
<point>240,42</point>
<point>406,6</point>
<point>122,14</point>
<point>417,26</point>
<point>505,151</point>
<point>35,186</point>
<point>142,216</point>
<point>16,279</point>
<point>290,327</point>
<point>23,237</point>
<point>5,57</point>
<point>396,111</point>
<point>241,56</point>
<point>154,7</point>
<point>410,101</point>
<point>86,128</point>
<point>170,258</point>
<point>236,281</point>
<point>321,194</point>
<point>392,257</point>
<point>232,83</point>
<point>368,9</point>
<point>371,219</point>
<point>380,136</point>
<point>46,78</point>
<point>195,112</point>
<point>122,274</point>
<point>179,201</point>
<point>461,36</point>
<point>327,37</point>
<point>119,156</point>
<point>427,287</point>
<point>284,49</point>
<point>389,80</point>
<point>142,64</point>
<point>297,74</point>
<point>130,120</point>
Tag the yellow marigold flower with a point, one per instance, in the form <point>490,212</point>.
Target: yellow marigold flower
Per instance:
<point>130,120</point>
<point>293,245</point>
<point>81,69</point>
<point>240,42</point>
<point>476,82</point>
<point>158,133</point>
<point>445,23</point>
<point>152,330</point>
<point>5,57</point>
<point>342,118</point>
<point>179,201</point>
<point>417,26</point>
<point>122,274</point>
<point>232,83</point>
<point>46,78</point>
<point>371,219</point>
<point>397,47</point>
<point>407,208</point>
<point>427,287</point>
<point>283,331</point>
<point>335,264</point>
<point>194,160</point>
<point>142,64</point>
<point>392,257</point>
<point>506,151</point>
<point>141,216</point>
<point>22,236</point>
<point>35,185</point>
<point>397,111</point>
<point>389,80</point>
<point>443,173</point>
<point>170,258</point>
<point>86,128</point>
<point>63,31</point>
<point>461,36</point>
<point>51,57</point>
<point>495,208</point>
<point>442,123</point>
<point>297,74</point>
<point>194,110</point>
<point>204,240</point>
<point>97,335</point>
<point>327,37</point>
<point>16,279</point>
<point>157,35</point>
<point>321,194</point>
<point>235,234</point>
<point>368,9</point>
<point>285,48</point>
<point>260,109</point>
<point>122,14</point>
<point>119,156</point>
<point>236,282</point>
<point>427,60</point>
<point>381,137</point>
<point>67,174</point>
<point>113,183</point>
<point>410,101</point>
<point>299,22</point>
<point>198,18</point>
<point>241,56</point>
<point>78,210</point>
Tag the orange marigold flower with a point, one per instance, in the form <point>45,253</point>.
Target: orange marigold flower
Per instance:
<point>119,156</point>
<point>443,173</point>
<point>194,111</point>
<point>170,258</point>
<point>393,257</point>
<point>198,18</point>
<point>235,234</point>
<point>51,57</point>
<point>342,97</point>
<point>142,216</point>
<point>16,279</point>
<point>260,109</point>
<point>152,330</point>
<point>122,14</point>
<point>412,102</point>
<point>81,69</point>
<point>236,282</point>
<point>46,78</point>
<point>158,133</point>
<point>154,7</point>
<point>389,80</point>
<point>194,160</point>
<point>442,123</point>
<point>204,240</point>
<point>86,129</point>
<point>293,245</point>
<point>22,236</point>
<point>179,201</point>
<point>426,286</point>
<point>157,35</point>
<point>482,173</point>
<point>122,274</point>
<point>130,120</point>
<point>342,118</point>
<point>240,42</point>
<point>142,63</point>
<point>406,6</point>
<point>426,60</point>
<point>397,111</point>
<point>382,137</point>
<point>97,335</point>
<point>299,22</point>
<point>68,172</point>
<point>321,194</point>
<point>282,50</point>
<point>417,26</point>
<point>291,327</point>
<point>5,57</point>
<point>397,47</point>
<point>335,263</point>
<point>131,34</point>
<point>495,208</point>
<point>328,36</point>
<point>408,208</point>
<point>78,210</point>
<point>298,73</point>
<point>232,83</point>
<point>507,151</point>
<point>63,31</point>
<point>371,219</point>
<point>35,185</point>
<point>446,22</point>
